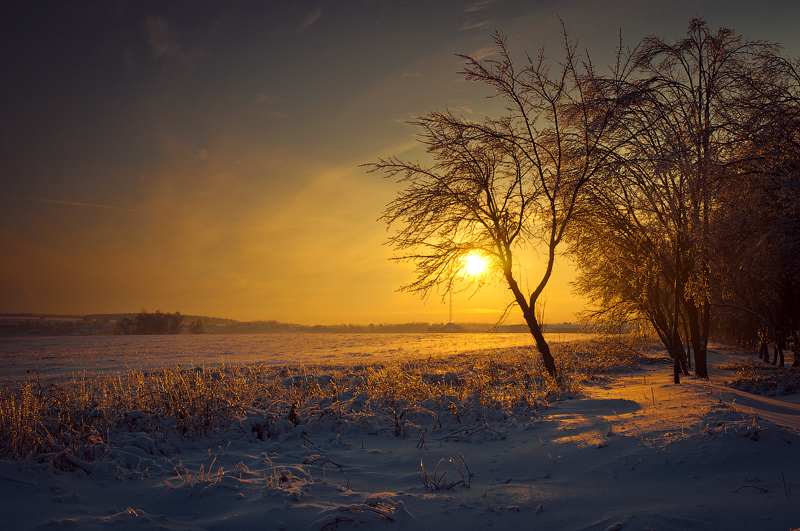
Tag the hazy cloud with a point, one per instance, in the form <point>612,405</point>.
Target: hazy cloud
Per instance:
<point>460,107</point>
<point>479,5</point>
<point>129,58</point>
<point>163,38</point>
<point>477,25</point>
<point>483,53</point>
<point>311,18</point>
<point>74,203</point>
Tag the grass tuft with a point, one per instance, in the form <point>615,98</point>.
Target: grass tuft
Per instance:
<point>71,424</point>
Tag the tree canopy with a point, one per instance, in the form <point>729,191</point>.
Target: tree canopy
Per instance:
<point>643,172</point>
<point>507,183</point>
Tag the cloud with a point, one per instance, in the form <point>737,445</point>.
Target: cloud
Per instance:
<point>311,18</point>
<point>479,5</point>
<point>477,25</point>
<point>163,38</point>
<point>74,203</point>
<point>483,53</point>
<point>460,107</point>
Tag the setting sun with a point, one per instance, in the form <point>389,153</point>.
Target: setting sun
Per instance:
<point>474,264</point>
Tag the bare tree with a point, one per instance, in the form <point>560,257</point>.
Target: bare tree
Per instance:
<point>508,183</point>
<point>697,106</point>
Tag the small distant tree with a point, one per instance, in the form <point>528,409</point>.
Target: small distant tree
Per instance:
<point>124,326</point>
<point>146,323</point>
<point>506,184</point>
<point>196,327</point>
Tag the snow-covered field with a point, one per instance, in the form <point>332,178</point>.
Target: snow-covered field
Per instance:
<point>631,452</point>
<point>59,356</point>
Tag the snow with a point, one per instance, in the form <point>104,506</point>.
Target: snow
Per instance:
<point>633,452</point>
<point>57,356</point>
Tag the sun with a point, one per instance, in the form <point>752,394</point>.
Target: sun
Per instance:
<point>474,264</point>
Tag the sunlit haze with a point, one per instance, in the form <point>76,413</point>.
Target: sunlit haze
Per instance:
<point>204,157</point>
<point>475,264</point>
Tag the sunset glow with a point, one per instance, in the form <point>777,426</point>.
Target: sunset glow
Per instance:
<point>201,159</point>
<point>400,264</point>
<point>474,264</point>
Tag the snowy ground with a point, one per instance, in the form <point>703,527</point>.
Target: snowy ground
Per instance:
<point>635,452</point>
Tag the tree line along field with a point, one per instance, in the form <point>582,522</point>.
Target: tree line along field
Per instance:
<point>106,324</point>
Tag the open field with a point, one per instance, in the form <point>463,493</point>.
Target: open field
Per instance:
<point>456,441</point>
<point>55,357</point>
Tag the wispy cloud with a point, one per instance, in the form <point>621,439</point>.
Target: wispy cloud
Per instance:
<point>483,53</point>
<point>460,107</point>
<point>163,38</point>
<point>311,18</point>
<point>476,25</point>
<point>479,5</point>
<point>75,203</point>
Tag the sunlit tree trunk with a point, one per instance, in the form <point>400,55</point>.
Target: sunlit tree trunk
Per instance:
<point>529,313</point>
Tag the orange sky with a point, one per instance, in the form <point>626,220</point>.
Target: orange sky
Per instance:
<point>204,158</point>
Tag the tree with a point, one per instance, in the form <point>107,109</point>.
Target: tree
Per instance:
<point>197,327</point>
<point>757,263</point>
<point>124,326</point>
<point>146,323</point>
<point>698,106</point>
<point>507,183</point>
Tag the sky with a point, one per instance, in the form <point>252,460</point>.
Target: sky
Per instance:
<point>206,157</point>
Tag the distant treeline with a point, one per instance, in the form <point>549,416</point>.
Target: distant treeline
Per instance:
<point>277,327</point>
<point>416,327</point>
<point>146,323</point>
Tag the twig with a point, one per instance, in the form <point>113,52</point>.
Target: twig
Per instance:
<point>20,481</point>
<point>367,508</point>
<point>346,477</point>
<point>306,440</point>
<point>759,489</point>
<point>313,459</point>
<point>332,526</point>
<point>785,487</point>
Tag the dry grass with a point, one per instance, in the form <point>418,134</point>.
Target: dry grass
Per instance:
<point>72,422</point>
<point>757,377</point>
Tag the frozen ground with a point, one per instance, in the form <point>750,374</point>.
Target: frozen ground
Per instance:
<point>636,452</point>
<point>59,356</point>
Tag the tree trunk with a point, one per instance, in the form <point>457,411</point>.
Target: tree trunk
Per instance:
<point>528,311</point>
<point>697,338</point>
<point>702,370</point>
<point>541,344</point>
<point>676,342</point>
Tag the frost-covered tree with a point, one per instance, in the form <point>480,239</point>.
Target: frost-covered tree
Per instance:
<point>757,227</point>
<point>696,109</point>
<point>506,183</point>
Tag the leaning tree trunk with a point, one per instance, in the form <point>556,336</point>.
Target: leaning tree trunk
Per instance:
<point>541,343</point>
<point>528,311</point>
